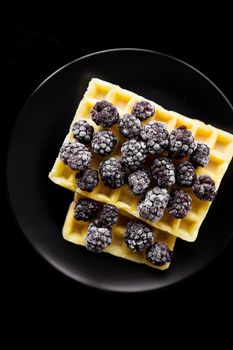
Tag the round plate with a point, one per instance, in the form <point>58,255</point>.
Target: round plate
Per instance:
<point>40,206</point>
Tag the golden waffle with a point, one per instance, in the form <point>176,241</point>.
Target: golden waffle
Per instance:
<point>75,231</point>
<point>220,143</point>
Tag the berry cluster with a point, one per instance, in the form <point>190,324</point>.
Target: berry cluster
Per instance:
<point>144,139</point>
<point>99,232</point>
<point>139,238</point>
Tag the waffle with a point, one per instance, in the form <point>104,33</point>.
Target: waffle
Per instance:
<point>220,143</point>
<point>75,232</point>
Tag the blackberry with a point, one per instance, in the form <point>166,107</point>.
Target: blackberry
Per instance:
<point>138,236</point>
<point>87,179</point>
<point>103,142</point>
<point>129,126</point>
<point>85,209</point>
<point>201,155</point>
<point>75,155</point>
<point>204,188</point>
<point>112,173</point>
<point>143,110</point>
<point>109,215</point>
<point>105,114</point>
<point>152,206</point>
<point>82,131</point>
<point>185,174</point>
<point>133,154</point>
<point>156,137</point>
<point>139,182</point>
<point>182,142</point>
<point>158,254</point>
<point>98,238</point>
<point>180,204</point>
<point>163,171</point>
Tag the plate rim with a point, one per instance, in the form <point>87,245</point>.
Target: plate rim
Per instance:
<point>46,257</point>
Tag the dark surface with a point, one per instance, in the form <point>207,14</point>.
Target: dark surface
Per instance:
<point>34,46</point>
<point>52,106</point>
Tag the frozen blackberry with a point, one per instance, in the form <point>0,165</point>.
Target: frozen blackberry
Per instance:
<point>105,114</point>
<point>129,126</point>
<point>112,173</point>
<point>158,254</point>
<point>182,142</point>
<point>152,206</point>
<point>87,179</point>
<point>163,171</point>
<point>109,215</point>
<point>133,154</point>
<point>75,155</point>
<point>204,188</point>
<point>103,142</point>
<point>138,236</point>
<point>82,131</point>
<point>185,174</point>
<point>98,238</point>
<point>139,181</point>
<point>201,155</point>
<point>143,110</point>
<point>180,204</point>
<point>85,209</point>
<point>156,137</point>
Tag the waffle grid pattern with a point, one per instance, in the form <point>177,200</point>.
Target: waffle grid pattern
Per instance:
<point>75,231</point>
<point>220,143</point>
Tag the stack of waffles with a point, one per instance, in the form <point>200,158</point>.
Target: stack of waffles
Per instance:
<point>168,228</point>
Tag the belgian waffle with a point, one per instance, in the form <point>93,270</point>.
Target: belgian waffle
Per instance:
<point>221,151</point>
<point>75,231</point>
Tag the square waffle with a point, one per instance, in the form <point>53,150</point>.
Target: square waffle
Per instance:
<point>75,231</point>
<point>219,142</point>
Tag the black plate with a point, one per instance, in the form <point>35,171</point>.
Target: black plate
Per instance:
<point>40,206</point>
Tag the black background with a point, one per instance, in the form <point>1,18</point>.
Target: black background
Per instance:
<point>37,44</point>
